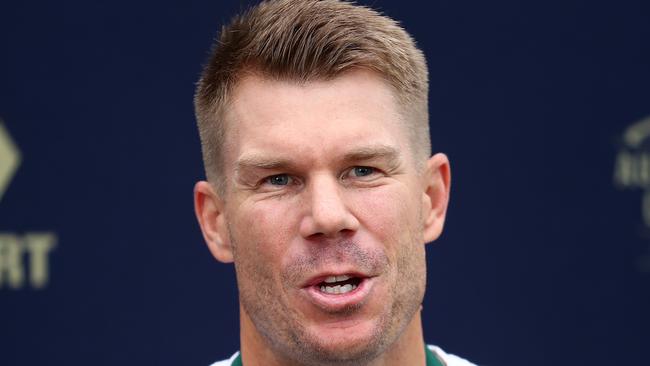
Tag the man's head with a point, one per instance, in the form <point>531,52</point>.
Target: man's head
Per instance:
<point>304,41</point>
<point>317,131</point>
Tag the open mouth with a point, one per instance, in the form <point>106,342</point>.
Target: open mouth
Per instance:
<point>335,292</point>
<point>339,284</point>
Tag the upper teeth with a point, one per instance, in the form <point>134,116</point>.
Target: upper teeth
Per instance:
<point>332,279</point>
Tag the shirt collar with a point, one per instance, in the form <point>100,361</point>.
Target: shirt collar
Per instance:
<point>432,359</point>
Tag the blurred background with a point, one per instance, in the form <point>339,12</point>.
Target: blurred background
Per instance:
<point>542,108</point>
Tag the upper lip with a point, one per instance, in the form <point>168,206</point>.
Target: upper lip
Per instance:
<point>321,276</point>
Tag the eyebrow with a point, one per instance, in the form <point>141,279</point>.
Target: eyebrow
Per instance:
<point>374,152</point>
<point>365,153</point>
<point>259,161</point>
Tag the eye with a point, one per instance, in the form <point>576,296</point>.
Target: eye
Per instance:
<point>362,171</point>
<point>278,180</point>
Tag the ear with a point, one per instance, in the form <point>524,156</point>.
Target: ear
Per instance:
<point>209,210</point>
<point>437,181</point>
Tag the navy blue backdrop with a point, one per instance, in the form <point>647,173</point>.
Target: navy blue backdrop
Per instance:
<point>546,254</point>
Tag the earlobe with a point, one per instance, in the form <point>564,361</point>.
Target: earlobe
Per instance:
<point>437,182</point>
<point>209,210</point>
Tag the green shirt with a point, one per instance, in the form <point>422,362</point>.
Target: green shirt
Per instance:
<point>432,360</point>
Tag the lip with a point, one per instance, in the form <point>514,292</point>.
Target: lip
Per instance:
<point>338,302</point>
<point>313,281</point>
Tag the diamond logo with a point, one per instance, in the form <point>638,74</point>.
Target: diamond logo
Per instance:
<point>9,159</point>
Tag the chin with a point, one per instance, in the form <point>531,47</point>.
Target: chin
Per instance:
<point>346,344</point>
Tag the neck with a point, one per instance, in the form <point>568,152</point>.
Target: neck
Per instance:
<point>407,349</point>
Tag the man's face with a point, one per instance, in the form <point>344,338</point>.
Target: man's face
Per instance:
<point>324,215</point>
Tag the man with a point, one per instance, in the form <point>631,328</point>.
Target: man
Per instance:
<point>320,186</point>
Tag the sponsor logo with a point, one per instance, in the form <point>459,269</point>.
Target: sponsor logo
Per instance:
<point>9,159</point>
<point>632,172</point>
<point>24,259</point>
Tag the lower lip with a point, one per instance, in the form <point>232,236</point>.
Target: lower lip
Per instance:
<point>337,302</point>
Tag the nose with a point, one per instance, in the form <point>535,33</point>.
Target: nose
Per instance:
<point>327,212</point>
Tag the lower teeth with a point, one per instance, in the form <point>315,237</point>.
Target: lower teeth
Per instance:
<point>338,289</point>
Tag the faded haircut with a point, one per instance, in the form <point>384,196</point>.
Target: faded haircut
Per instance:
<point>307,40</point>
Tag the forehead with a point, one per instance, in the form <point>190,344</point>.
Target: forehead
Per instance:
<point>313,119</point>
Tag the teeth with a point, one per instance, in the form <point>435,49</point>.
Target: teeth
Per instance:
<point>332,279</point>
<point>346,288</point>
<point>338,289</point>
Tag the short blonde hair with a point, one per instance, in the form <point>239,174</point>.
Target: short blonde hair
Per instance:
<point>306,40</point>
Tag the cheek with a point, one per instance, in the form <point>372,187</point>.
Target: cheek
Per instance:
<point>388,212</point>
<point>263,229</point>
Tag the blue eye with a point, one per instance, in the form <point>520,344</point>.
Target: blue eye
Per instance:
<point>362,171</point>
<point>278,180</point>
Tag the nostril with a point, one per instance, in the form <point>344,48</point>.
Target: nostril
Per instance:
<point>327,236</point>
